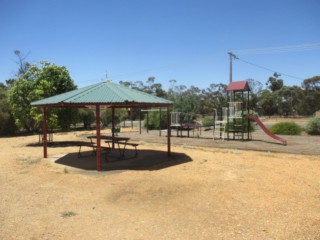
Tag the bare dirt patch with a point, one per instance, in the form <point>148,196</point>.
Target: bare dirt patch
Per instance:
<point>218,193</point>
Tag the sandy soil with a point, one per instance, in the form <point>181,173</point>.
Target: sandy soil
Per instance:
<point>201,192</point>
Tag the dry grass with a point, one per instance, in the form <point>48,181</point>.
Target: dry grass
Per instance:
<point>220,194</point>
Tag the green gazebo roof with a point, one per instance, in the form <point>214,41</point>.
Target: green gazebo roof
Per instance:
<point>104,93</point>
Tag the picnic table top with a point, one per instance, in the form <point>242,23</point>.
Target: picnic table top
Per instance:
<point>108,137</point>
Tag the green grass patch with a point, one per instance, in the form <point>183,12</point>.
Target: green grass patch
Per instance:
<point>67,214</point>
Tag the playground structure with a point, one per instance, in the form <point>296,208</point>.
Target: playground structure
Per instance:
<point>229,123</point>
<point>178,121</point>
<point>181,124</point>
<point>220,122</point>
<point>265,129</point>
<point>231,120</point>
<point>234,120</point>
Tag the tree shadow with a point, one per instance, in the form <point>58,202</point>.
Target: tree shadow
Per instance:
<point>149,160</point>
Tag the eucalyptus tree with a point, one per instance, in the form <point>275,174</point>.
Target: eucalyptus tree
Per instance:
<point>40,81</point>
<point>274,83</point>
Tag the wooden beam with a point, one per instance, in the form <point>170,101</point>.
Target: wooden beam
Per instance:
<point>115,105</point>
<point>169,131</point>
<point>98,137</point>
<point>44,131</point>
<point>113,125</point>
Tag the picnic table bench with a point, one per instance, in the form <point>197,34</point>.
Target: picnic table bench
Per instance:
<point>93,146</point>
<point>124,144</point>
<point>121,142</point>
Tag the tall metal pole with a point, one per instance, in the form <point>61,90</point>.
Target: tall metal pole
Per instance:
<point>231,55</point>
<point>230,58</point>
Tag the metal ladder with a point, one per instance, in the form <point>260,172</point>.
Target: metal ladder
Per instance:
<point>219,130</point>
<point>220,125</point>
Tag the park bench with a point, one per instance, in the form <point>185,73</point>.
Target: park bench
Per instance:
<point>124,144</point>
<point>93,146</point>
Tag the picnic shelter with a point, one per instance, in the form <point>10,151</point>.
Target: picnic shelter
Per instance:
<point>102,95</point>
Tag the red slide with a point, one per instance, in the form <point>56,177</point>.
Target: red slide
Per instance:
<point>265,129</point>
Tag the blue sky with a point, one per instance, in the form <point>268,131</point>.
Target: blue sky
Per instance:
<point>188,41</point>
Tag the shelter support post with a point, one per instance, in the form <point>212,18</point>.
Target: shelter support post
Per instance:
<point>242,119</point>
<point>160,122</point>
<point>98,150</point>
<point>248,112</point>
<point>131,117</point>
<point>113,126</point>
<point>140,120</point>
<point>169,130</point>
<point>44,131</point>
<point>147,122</point>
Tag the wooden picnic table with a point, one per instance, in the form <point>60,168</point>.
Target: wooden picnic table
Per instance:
<point>121,142</point>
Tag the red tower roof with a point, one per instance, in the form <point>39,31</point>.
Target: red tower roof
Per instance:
<point>239,86</point>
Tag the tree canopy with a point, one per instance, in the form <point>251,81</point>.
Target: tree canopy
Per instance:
<point>44,79</point>
<point>312,83</point>
<point>275,83</point>
<point>39,81</point>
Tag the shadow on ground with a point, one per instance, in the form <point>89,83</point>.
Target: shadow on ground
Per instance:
<point>60,144</point>
<point>147,160</point>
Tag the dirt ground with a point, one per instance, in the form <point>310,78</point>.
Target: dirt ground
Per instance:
<point>205,190</point>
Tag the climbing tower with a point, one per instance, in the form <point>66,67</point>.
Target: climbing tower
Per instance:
<point>237,105</point>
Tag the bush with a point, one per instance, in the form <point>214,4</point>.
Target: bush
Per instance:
<point>286,128</point>
<point>313,126</point>
<point>207,121</point>
<point>152,121</point>
<point>66,117</point>
<point>7,125</point>
<point>7,122</point>
<point>120,115</point>
<point>87,117</point>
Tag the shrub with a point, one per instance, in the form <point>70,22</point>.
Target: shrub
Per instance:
<point>106,116</point>
<point>67,214</point>
<point>313,126</point>
<point>286,128</point>
<point>87,117</point>
<point>152,121</point>
<point>7,124</point>
<point>207,121</point>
